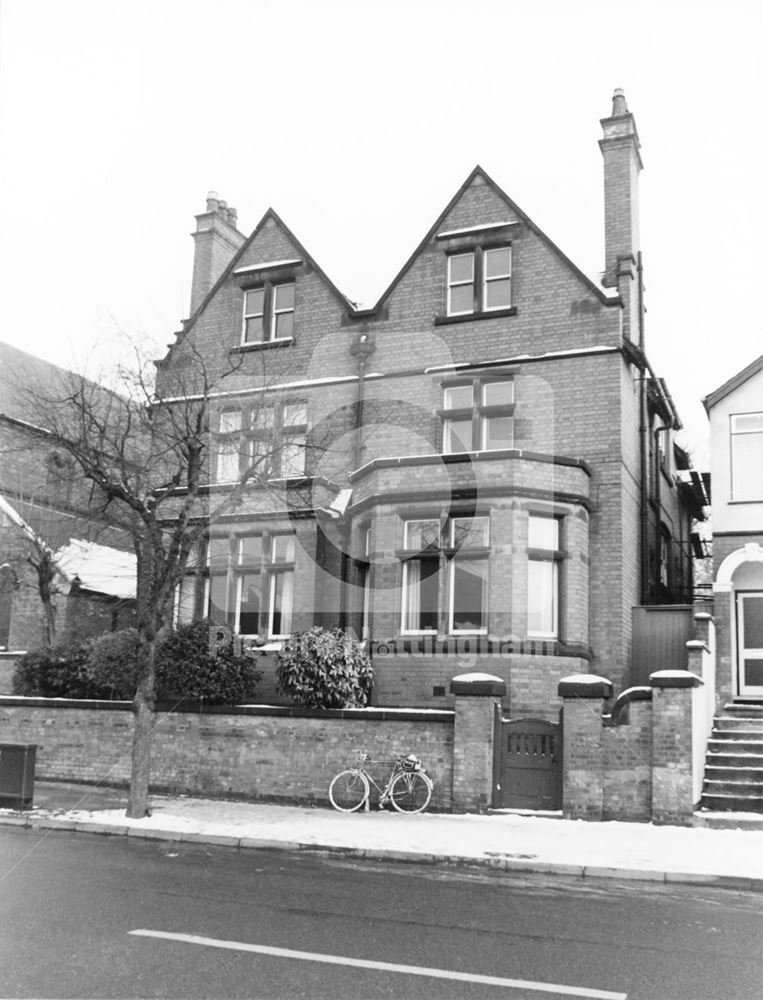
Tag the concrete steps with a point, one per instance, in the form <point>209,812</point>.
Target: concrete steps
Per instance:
<point>734,761</point>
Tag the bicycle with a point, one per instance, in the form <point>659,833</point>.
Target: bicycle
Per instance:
<point>408,788</point>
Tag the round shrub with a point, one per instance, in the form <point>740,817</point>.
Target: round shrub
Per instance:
<point>189,668</point>
<point>113,663</point>
<point>59,671</point>
<point>323,668</point>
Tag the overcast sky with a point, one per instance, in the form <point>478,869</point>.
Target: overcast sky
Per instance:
<point>357,121</point>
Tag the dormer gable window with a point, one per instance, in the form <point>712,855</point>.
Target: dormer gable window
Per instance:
<point>269,303</point>
<point>268,313</point>
<point>478,278</point>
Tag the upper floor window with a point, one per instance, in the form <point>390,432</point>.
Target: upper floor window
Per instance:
<point>747,456</point>
<point>268,313</point>
<point>269,440</point>
<point>543,552</point>
<point>477,415</point>
<point>479,281</point>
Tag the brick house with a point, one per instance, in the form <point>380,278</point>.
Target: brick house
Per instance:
<point>476,473</point>
<point>735,411</point>
<point>45,505</point>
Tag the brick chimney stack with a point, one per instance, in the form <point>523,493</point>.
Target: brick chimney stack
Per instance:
<point>217,239</point>
<point>622,165</point>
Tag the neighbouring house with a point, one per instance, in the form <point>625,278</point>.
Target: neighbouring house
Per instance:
<point>733,778</point>
<point>735,411</point>
<point>478,472</point>
<point>50,528</point>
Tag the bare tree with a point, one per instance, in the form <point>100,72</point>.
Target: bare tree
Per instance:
<point>149,460</point>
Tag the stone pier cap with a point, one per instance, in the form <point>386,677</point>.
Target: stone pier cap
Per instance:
<point>675,679</point>
<point>477,683</point>
<point>584,686</point>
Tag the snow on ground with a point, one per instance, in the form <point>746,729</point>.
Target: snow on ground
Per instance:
<point>633,846</point>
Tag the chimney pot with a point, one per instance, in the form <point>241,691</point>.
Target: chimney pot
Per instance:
<point>619,104</point>
<point>211,201</point>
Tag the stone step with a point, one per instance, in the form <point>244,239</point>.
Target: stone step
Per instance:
<point>726,757</point>
<point>722,744</point>
<point>734,803</point>
<point>734,724</point>
<point>720,772</point>
<point>735,786</point>
<point>743,711</point>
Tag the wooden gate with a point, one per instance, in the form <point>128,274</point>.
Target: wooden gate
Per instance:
<point>527,764</point>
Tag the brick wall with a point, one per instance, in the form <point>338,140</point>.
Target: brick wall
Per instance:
<point>641,761</point>
<point>256,753</point>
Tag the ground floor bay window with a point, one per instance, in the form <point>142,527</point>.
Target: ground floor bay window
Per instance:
<point>247,584</point>
<point>445,575</point>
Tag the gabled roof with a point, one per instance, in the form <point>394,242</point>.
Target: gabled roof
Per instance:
<point>270,214</point>
<point>606,296</point>
<point>733,383</point>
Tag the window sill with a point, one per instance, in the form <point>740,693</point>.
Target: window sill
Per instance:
<point>470,317</point>
<point>261,345</point>
<point>736,503</point>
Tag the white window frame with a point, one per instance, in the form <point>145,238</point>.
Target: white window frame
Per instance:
<point>292,440</point>
<point>270,312</point>
<point>253,315</point>
<point>275,312</point>
<point>480,414</point>
<point>551,556</point>
<point>228,451</point>
<point>424,553</point>
<point>734,436</point>
<point>503,276</point>
<point>460,283</point>
<point>452,630</point>
<point>276,567</point>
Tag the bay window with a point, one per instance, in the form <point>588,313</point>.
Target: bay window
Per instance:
<point>453,555</point>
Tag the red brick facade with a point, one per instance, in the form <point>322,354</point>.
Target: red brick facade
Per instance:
<point>571,445</point>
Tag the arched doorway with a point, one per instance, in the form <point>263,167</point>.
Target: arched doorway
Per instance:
<point>741,576</point>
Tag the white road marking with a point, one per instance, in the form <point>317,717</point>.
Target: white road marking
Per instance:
<point>361,963</point>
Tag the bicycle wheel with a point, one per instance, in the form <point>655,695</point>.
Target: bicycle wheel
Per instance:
<point>348,791</point>
<point>410,792</point>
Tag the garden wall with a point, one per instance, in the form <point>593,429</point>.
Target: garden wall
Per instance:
<point>256,752</point>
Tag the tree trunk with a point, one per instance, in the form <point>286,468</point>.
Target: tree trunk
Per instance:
<point>140,772</point>
<point>50,619</point>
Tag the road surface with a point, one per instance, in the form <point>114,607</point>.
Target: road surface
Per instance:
<point>90,916</point>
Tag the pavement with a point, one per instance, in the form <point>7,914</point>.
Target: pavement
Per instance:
<point>508,841</point>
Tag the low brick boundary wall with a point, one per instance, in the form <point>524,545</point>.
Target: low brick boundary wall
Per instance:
<point>642,761</point>
<point>254,752</point>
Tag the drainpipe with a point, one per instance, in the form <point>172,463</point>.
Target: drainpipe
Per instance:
<point>362,347</point>
<point>643,441</point>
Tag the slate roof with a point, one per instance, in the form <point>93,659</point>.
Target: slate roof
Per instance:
<point>99,568</point>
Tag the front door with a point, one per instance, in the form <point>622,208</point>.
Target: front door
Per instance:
<point>750,643</point>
